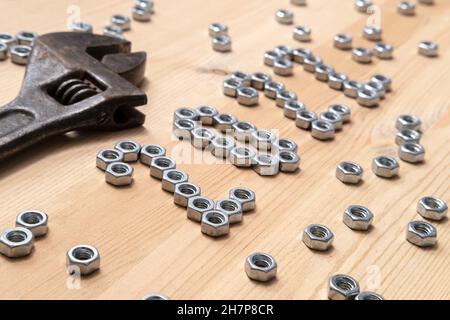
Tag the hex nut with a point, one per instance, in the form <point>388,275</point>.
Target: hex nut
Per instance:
<point>385,167</point>
<point>182,128</point>
<point>230,87</point>
<point>140,14</point>
<point>299,2</point>
<point>215,223</point>
<point>299,55</point>
<point>171,178</point>
<point>349,172</point>
<point>113,31</point>
<point>80,26</point>
<point>385,80</point>
<point>26,38</point>
<point>266,165</point>
<point>291,108</point>
<point>362,55</point>
<point>8,39</point>
<point>284,16</point>
<point>305,118</point>
<point>108,156</point>
<point>247,96</point>
<point>130,150</point>
<point>322,130</point>
<point>232,208</point>
<point>383,51</point>
<point>428,49</point>
<point>221,147</point>
<point>362,5</point>
<point>343,41</point>
<point>221,43</point>
<point>261,267</point>
<point>20,54</point>
<point>284,52</point>
<point>378,87</point>
<point>310,63</point>
<point>283,67</point>
<point>406,121</point>
<point>421,234</point>
<point>242,157</point>
<point>244,78</point>
<point>432,208</point>
<point>283,96</point>
<point>318,237</point>
<point>341,109</point>
<point>323,72</point>
<point>224,122</point>
<point>334,118</point>
<point>150,151</point>
<point>217,29</point>
<point>185,113</point>
<point>407,135</point>
<point>155,296</point>
<point>83,259</point>
<point>302,33</point>
<point>206,115</point>
<point>289,161</point>
<point>262,139</point>
<point>368,98</point>
<point>183,192</point>
<point>411,152</point>
<point>369,295</point>
<point>119,174</point>
<point>159,165</point>
<point>342,287</point>
<point>271,88</point>
<point>357,217</point>
<point>372,33</point>
<point>351,88</point>
<point>201,138</point>
<point>285,145</point>
<point>3,51</point>
<point>197,206</point>
<point>406,8</point>
<point>270,57</point>
<point>33,220</point>
<point>122,21</point>
<point>259,80</point>
<point>16,242</point>
<point>245,196</point>
<point>243,130</point>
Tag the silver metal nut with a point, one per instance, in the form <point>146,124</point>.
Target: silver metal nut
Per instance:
<point>270,57</point>
<point>349,172</point>
<point>385,167</point>
<point>342,287</point>
<point>342,110</point>
<point>299,55</point>
<point>183,192</point>
<point>378,87</point>
<point>119,174</point>
<point>322,130</point>
<point>159,165</point>
<point>305,118</point>
<point>224,122</point>
<point>242,157</point>
<point>271,88</point>
<point>310,63</point>
<point>262,139</point>
<point>357,217</point>
<point>283,96</point>
<point>284,16</point>
<point>318,237</point>
<point>266,165</point>
<point>343,41</point>
<point>3,51</point>
<point>221,43</point>
<point>33,220</point>
<point>108,156</point>
<point>291,108</point>
<point>368,98</point>
<point>122,21</point>
<point>8,39</point>
<point>351,88</point>
<point>232,208</point>
<point>140,14</point>
<point>302,33</point>
<point>197,206</point>
<point>113,31</point>
<point>243,130</point>
<point>206,115</point>
<point>362,55</point>
<point>259,80</point>
<point>372,33</point>
<point>323,72</point>
<point>407,135</point>
<point>283,67</point>
<point>421,234</point>
<point>411,152</point>
<point>221,147</point>
<point>428,48</point>
<point>171,178</point>
<point>20,54</point>
<point>217,29</point>
<point>334,118</point>
<point>362,5</point>
<point>261,267</point>
<point>16,242</point>
<point>147,5</point>
<point>130,150</point>
<point>247,96</point>
<point>231,86</point>
<point>182,128</point>
<point>201,138</point>
<point>406,121</point>
<point>215,223</point>
<point>432,208</point>
<point>150,151</point>
<point>244,78</point>
<point>285,145</point>
<point>83,259</point>
<point>185,113</point>
<point>26,38</point>
<point>369,295</point>
<point>80,26</point>
<point>284,52</point>
<point>383,51</point>
<point>385,80</point>
<point>406,8</point>
<point>289,161</point>
<point>245,196</point>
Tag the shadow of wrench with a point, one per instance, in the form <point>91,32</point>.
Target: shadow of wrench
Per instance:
<point>74,81</point>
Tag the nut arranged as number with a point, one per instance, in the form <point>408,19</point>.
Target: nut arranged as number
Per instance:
<point>385,80</point>
<point>411,152</point>
<point>245,196</point>
<point>362,5</point>
<point>79,26</point>
<point>3,51</point>
<point>206,115</point>
<point>283,67</point>
<point>318,237</point>
<point>266,165</point>
<point>171,178</point>
<point>231,86</point>
<point>140,14</point>
<point>302,33</point>
<point>16,242</point>
<point>122,21</point>
<point>342,287</point>
<point>243,131</point>
<point>305,118</point>
<point>300,54</point>
<point>232,208</point>
<point>244,78</point>
<point>261,267</point>
<point>259,80</point>
<point>247,96</point>
<point>336,80</point>
<point>343,41</point>
<point>215,223</point>
<point>323,72</point>
<point>20,54</point>
<point>271,88</point>
<point>406,121</point>
<point>130,150</point>
<point>201,138</point>
<point>83,259</point>
<point>224,122</point>
<point>357,217</point>
<point>221,147</point>
<point>185,113</point>
<point>8,39</point>
<point>322,130</point>
<point>35,221</point>
<point>385,167</point>
<point>407,135</point>
<point>351,88</point>
<point>378,87</point>
<point>150,151</point>
<point>421,234</point>
<point>183,192</point>
<point>289,161</point>
<point>291,107</point>
<point>362,55</point>
<point>159,165</point>
<point>349,172</point>
<point>342,110</point>
<point>428,48</point>
<point>406,8</point>
<point>241,157</point>
<point>217,29</point>
<point>285,145</point>
<point>333,117</point>
<point>182,128</point>
<point>26,38</point>
<point>262,139</point>
<point>284,96</point>
<point>284,16</point>
<point>383,51</point>
<point>221,43</point>
<point>197,206</point>
<point>372,33</point>
<point>310,62</point>
<point>119,174</point>
<point>108,156</point>
<point>432,208</point>
<point>368,98</point>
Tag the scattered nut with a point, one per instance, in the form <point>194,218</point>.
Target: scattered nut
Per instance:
<point>83,259</point>
<point>432,208</point>
<point>362,55</point>
<point>385,167</point>
<point>349,172</point>
<point>343,41</point>
<point>407,135</point>
<point>260,267</point>
<point>318,237</point>
<point>217,29</point>
<point>221,43</point>
<point>428,49</point>
<point>369,295</point>
<point>16,242</point>
<point>35,221</point>
<point>302,33</point>
<point>357,217</point>
<point>342,287</point>
<point>284,16</point>
<point>411,152</point>
<point>421,234</point>
<point>406,121</point>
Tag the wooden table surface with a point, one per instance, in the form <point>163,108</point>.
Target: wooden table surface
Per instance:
<point>146,242</point>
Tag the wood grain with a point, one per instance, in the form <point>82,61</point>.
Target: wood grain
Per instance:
<point>146,242</point>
